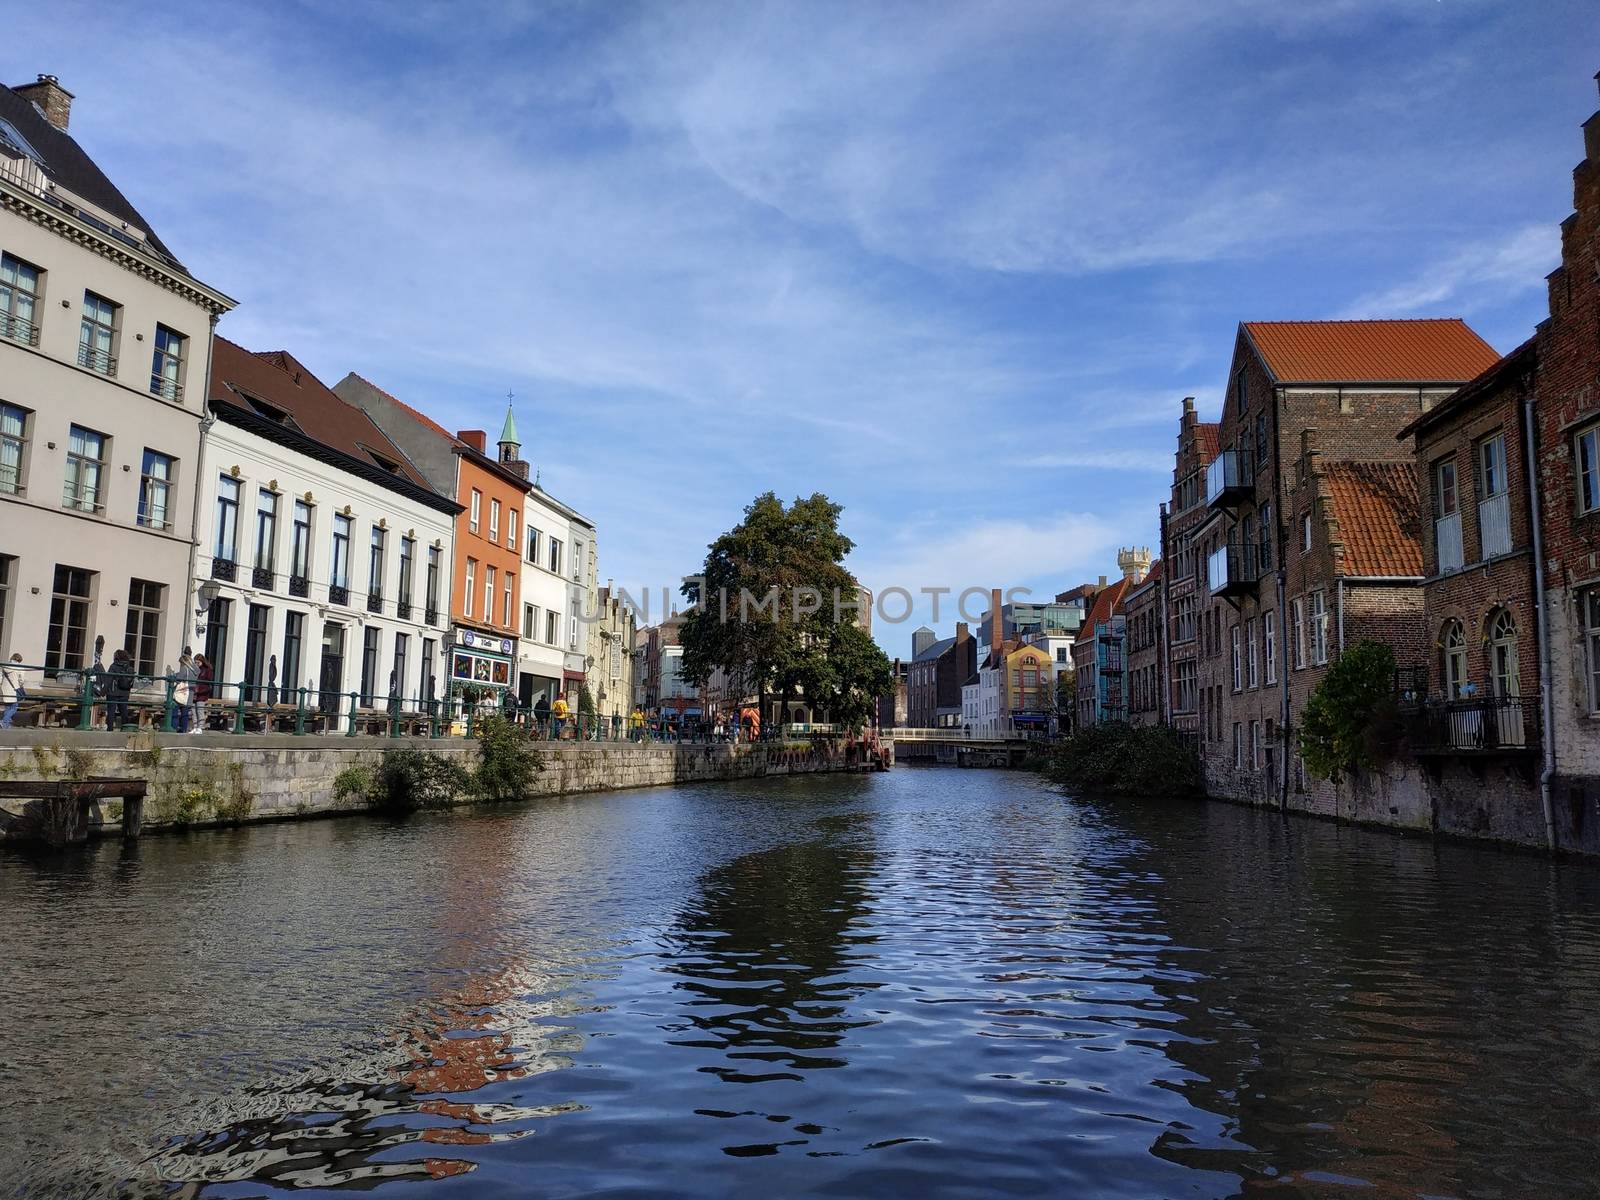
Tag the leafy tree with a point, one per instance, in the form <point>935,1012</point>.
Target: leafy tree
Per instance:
<point>766,614</point>
<point>585,701</point>
<point>1121,760</point>
<point>1352,718</point>
<point>507,761</point>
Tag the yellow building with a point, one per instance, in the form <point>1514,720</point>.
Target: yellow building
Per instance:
<point>1028,698</point>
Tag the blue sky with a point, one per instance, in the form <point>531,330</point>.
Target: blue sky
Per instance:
<point>954,265</point>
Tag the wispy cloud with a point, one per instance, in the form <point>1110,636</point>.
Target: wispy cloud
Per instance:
<point>1471,278</point>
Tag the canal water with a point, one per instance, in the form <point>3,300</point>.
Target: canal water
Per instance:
<point>926,983</point>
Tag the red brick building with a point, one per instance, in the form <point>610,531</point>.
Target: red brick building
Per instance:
<point>1311,542</point>
<point>1183,574</point>
<point>1143,606</point>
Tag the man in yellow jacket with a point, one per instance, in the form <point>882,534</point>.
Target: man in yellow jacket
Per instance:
<point>558,711</point>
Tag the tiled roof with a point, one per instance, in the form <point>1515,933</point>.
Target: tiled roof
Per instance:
<point>1523,359</point>
<point>1420,351</point>
<point>1207,441</point>
<point>1376,506</point>
<point>935,650</point>
<point>65,163</point>
<point>420,417</point>
<point>1107,603</point>
<point>282,382</point>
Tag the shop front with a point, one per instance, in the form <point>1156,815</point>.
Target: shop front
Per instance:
<point>480,665</point>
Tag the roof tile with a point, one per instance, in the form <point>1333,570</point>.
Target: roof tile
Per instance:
<point>1414,351</point>
<point>1376,506</point>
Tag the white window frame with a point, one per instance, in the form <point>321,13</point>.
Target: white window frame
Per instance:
<point>494,520</point>
<point>1586,469</point>
<point>511,530</point>
<point>1269,644</point>
<point>1252,654</point>
<point>1319,628</point>
<point>1238,666</point>
<point>1589,620</point>
<point>475,511</point>
<point>488,594</point>
<point>1298,607</point>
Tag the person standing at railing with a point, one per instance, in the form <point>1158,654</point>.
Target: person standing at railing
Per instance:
<point>13,690</point>
<point>558,712</point>
<point>202,691</point>
<point>119,684</point>
<point>183,693</point>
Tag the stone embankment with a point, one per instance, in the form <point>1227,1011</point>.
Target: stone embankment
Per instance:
<point>221,779</point>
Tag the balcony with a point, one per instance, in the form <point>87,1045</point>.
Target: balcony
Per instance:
<point>374,602</point>
<point>1233,570</point>
<point>1494,525</point>
<point>264,578</point>
<point>167,389</point>
<point>224,568</point>
<point>402,610</point>
<point>18,329</point>
<point>1228,480</point>
<point>300,586</point>
<point>1480,726</point>
<point>1447,542</point>
<point>338,594</point>
<point>98,361</point>
<point>431,617</point>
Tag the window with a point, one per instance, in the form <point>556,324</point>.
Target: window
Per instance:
<point>1265,558</point>
<point>511,530</point>
<point>488,593</point>
<point>294,631</point>
<point>505,607</point>
<point>1453,651</point>
<point>142,637</point>
<point>572,627</point>
<point>1255,745</point>
<point>533,545</point>
<point>427,669</point>
<point>97,336</point>
<point>1319,627</point>
<point>1238,746</point>
<point>475,512</point>
<point>408,555</point>
<point>577,561</point>
<point>555,556</point>
<point>1184,677</point>
<point>1588,611</point>
<point>255,652</point>
<point>339,574</point>
<point>218,617</point>
<point>397,675</point>
<point>86,462</point>
<point>155,490</point>
<point>433,581</point>
<point>166,364</point>
<point>552,626</point>
<point>1253,653</point>
<point>19,299</point>
<point>1238,674</point>
<point>1061,655</point>
<point>494,520</point>
<point>266,530</point>
<point>227,532</point>
<point>1589,470</point>
<point>1269,637</point>
<point>1305,532</point>
<point>470,593</point>
<point>1444,489</point>
<point>375,563</point>
<point>1492,467</point>
<point>1261,440</point>
<point>530,621</point>
<point>300,547</point>
<point>8,566</point>
<point>1241,391</point>
<point>1504,677</point>
<point>1494,501</point>
<point>13,447</point>
<point>1298,612</point>
<point>369,664</point>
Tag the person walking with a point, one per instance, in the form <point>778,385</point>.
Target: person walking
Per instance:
<point>541,715</point>
<point>558,711</point>
<point>202,691</point>
<point>183,680</point>
<point>12,690</point>
<point>119,684</point>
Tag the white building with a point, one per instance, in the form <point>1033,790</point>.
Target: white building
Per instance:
<point>324,557</point>
<point>104,346</point>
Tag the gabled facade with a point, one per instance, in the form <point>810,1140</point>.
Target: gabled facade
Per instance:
<point>105,344</point>
<point>323,560</point>
<point>1028,691</point>
<point>1099,654</point>
<point>1183,575</point>
<point>1312,527</point>
<point>1143,606</point>
<point>934,678</point>
<point>485,591</point>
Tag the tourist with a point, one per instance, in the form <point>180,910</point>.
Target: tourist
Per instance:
<point>541,714</point>
<point>119,684</point>
<point>183,693</point>
<point>202,691</point>
<point>12,690</point>
<point>558,711</point>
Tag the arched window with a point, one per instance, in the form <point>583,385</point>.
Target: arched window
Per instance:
<point>1453,644</point>
<point>1503,672</point>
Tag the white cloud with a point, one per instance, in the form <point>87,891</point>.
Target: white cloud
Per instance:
<point>1472,278</point>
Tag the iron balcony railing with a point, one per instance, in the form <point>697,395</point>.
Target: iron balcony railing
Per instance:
<point>402,610</point>
<point>100,361</point>
<point>1228,478</point>
<point>374,602</point>
<point>224,568</point>
<point>167,389</point>
<point>431,617</point>
<point>18,329</point>
<point>264,578</point>
<point>300,586</point>
<point>1476,725</point>
<point>338,594</point>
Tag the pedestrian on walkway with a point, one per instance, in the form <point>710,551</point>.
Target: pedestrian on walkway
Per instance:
<point>12,690</point>
<point>119,684</point>
<point>183,680</point>
<point>202,691</point>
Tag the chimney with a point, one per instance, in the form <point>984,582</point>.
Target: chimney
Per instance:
<point>961,632</point>
<point>1102,582</point>
<point>53,100</point>
<point>997,622</point>
<point>476,438</point>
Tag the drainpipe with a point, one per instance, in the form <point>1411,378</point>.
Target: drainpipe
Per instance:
<point>1338,605</point>
<point>206,422</point>
<point>1546,702</point>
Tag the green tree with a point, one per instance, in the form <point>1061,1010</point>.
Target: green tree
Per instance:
<point>1352,719</point>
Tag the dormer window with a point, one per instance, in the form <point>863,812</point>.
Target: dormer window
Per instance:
<point>11,139</point>
<point>388,464</point>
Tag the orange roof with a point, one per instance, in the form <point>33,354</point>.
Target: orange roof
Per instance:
<point>1376,506</point>
<point>1207,441</point>
<point>1107,602</point>
<point>1419,351</point>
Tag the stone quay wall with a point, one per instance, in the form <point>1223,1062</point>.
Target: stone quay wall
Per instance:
<point>219,779</point>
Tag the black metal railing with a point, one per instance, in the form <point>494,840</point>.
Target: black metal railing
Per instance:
<point>101,361</point>
<point>431,617</point>
<point>300,586</point>
<point>264,578</point>
<point>1479,724</point>
<point>402,610</point>
<point>374,602</point>
<point>224,568</point>
<point>19,329</point>
<point>338,594</point>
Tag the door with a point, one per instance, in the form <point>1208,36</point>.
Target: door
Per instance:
<point>331,674</point>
